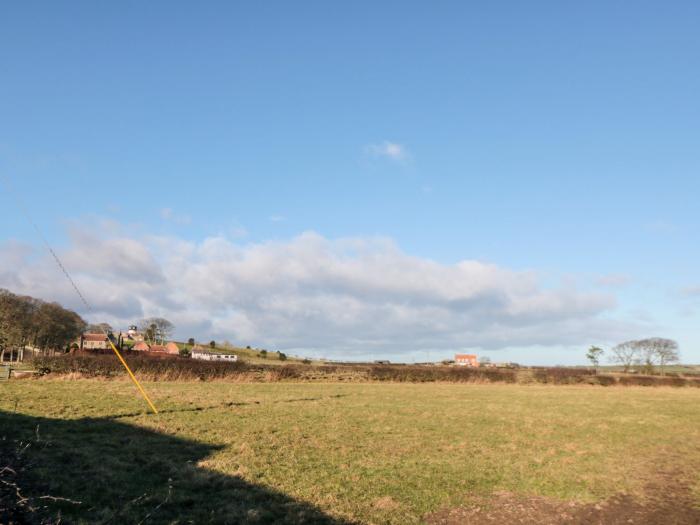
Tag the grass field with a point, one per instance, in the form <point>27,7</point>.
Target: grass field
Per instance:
<point>337,453</point>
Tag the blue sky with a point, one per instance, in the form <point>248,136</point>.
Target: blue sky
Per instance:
<point>554,139</point>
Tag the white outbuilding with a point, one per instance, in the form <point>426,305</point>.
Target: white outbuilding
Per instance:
<point>211,356</point>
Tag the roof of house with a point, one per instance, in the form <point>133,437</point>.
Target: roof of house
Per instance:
<point>94,337</point>
<point>465,356</point>
<point>141,346</point>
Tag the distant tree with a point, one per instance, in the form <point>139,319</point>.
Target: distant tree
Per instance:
<point>212,344</point>
<point>99,328</point>
<point>56,327</point>
<point>282,356</point>
<point>625,354</point>
<point>658,350</point>
<point>190,341</point>
<point>156,329</point>
<point>184,352</point>
<point>263,354</point>
<point>593,355</point>
<point>165,328</point>
<point>247,347</point>
<point>16,321</point>
<point>306,361</point>
<point>151,333</point>
<point>28,321</point>
<point>484,360</point>
<point>668,354</point>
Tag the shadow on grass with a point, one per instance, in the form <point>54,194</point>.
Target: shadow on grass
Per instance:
<point>120,473</point>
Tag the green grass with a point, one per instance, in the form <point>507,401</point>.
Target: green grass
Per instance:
<point>379,453</point>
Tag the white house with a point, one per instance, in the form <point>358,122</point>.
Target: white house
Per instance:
<point>198,353</point>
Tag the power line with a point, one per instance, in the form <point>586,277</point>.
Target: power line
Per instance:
<point>25,211</point>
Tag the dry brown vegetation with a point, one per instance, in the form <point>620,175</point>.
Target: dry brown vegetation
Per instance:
<point>183,369</point>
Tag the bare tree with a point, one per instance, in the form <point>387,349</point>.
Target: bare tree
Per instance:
<point>148,328</point>
<point>156,329</point>
<point>625,354</point>
<point>659,350</point>
<point>99,328</point>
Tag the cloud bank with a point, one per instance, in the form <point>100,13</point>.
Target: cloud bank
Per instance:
<point>349,298</point>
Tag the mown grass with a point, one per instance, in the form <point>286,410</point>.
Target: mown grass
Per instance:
<point>370,453</point>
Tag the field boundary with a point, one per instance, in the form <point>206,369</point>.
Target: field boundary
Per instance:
<point>181,369</point>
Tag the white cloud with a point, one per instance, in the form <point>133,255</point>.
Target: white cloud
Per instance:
<point>346,297</point>
<point>389,150</point>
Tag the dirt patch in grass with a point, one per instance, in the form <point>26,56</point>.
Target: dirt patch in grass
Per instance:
<point>668,499</point>
<point>386,503</point>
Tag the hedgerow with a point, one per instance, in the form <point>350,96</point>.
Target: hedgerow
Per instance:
<point>175,368</point>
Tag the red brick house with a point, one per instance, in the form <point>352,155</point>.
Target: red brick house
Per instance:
<point>466,360</point>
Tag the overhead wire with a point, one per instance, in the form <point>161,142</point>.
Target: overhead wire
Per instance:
<point>25,211</point>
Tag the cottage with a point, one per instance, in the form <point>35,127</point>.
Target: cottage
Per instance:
<point>172,348</point>
<point>466,360</point>
<point>198,353</point>
<point>141,347</point>
<point>93,342</point>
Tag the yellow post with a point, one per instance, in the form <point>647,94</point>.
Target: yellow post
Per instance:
<point>133,377</point>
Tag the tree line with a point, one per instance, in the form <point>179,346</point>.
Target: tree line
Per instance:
<point>645,353</point>
<point>27,321</point>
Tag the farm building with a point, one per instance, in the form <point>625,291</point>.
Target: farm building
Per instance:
<point>93,342</point>
<point>134,334</point>
<point>170,348</point>
<point>198,353</point>
<point>466,360</point>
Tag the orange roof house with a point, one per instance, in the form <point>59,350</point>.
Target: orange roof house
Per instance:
<point>170,348</point>
<point>466,360</point>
